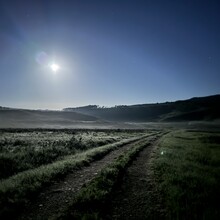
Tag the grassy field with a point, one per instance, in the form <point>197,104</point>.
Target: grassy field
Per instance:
<point>31,159</point>
<point>187,169</point>
<point>185,165</point>
<point>20,151</point>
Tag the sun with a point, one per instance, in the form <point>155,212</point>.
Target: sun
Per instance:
<point>54,67</point>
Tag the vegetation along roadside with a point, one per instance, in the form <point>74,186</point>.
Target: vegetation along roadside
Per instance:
<point>187,170</point>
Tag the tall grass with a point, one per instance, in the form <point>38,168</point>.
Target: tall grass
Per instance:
<point>18,155</point>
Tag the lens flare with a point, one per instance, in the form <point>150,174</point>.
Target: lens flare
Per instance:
<point>42,58</point>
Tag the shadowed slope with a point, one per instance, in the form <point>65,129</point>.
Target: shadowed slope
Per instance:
<point>204,108</point>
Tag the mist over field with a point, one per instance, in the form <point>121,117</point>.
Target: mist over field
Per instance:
<point>205,109</point>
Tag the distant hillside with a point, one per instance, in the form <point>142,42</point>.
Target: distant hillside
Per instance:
<point>92,116</point>
<point>194,109</point>
<point>19,118</point>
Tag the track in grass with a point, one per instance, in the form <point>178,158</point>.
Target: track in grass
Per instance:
<point>137,197</point>
<point>92,202</point>
<point>56,197</point>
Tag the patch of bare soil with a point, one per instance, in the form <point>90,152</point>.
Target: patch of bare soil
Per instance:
<point>138,197</point>
<point>57,196</point>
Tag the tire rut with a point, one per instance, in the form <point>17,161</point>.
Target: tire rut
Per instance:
<point>56,197</point>
<point>137,197</point>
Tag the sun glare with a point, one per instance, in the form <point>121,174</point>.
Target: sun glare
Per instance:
<point>54,67</point>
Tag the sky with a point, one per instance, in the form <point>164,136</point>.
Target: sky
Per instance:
<point>109,52</point>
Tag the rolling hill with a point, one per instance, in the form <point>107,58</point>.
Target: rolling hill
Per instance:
<point>194,109</point>
<point>92,116</point>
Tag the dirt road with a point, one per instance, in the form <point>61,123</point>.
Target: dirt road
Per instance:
<point>138,197</point>
<point>56,197</point>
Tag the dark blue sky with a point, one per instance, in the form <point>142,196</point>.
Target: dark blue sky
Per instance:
<point>110,52</point>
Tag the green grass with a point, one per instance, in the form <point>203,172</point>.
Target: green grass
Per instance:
<point>187,169</point>
<point>92,200</point>
<point>18,189</point>
<point>20,151</point>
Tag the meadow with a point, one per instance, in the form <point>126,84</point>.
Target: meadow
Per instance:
<point>183,164</point>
